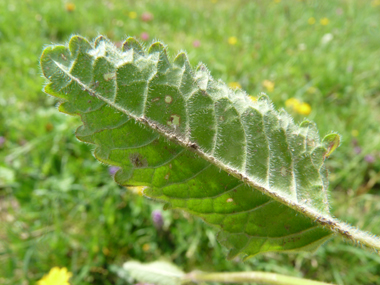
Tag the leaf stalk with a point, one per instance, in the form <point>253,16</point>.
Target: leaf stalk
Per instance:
<point>252,276</point>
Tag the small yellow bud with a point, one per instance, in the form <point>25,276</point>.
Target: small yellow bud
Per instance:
<point>70,7</point>
<point>232,40</point>
<point>303,109</point>
<point>132,15</point>
<point>145,247</point>
<point>324,21</point>
<point>292,102</point>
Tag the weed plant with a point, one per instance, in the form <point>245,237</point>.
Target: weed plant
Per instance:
<point>59,207</point>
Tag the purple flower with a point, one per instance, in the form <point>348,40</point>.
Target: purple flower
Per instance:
<point>196,43</point>
<point>144,36</point>
<point>113,169</point>
<point>369,158</point>
<point>2,141</point>
<point>357,149</point>
<point>157,218</point>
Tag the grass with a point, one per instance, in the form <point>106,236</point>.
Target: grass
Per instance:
<point>59,207</point>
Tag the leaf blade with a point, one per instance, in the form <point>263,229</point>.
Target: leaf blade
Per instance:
<point>171,129</point>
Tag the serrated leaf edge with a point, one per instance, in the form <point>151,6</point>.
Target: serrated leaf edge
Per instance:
<point>334,225</point>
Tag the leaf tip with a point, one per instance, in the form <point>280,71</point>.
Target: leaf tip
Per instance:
<point>181,59</point>
<point>132,43</point>
<point>157,47</point>
<point>50,56</point>
<point>330,142</point>
<point>263,97</point>
<point>100,39</point>
<point>306,124</point>
<point>78,43</point>
<point>202,68</point>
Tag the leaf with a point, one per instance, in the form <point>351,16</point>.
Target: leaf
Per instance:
<point>331,142</point>
<point>197,145</point>
<point>164,273</point>
<point>158,272</point>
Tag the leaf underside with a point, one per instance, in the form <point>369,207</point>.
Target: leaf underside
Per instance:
<point>195,144</point>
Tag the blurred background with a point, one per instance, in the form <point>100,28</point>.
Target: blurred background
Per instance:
<point>60,207</point>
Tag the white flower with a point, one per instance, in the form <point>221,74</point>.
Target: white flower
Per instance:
<point>326,38</point>
<point>302,46</point>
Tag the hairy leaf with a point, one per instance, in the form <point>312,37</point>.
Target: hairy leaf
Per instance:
<point>199,146</point>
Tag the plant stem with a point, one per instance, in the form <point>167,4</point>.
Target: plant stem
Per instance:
<point>253,276</point>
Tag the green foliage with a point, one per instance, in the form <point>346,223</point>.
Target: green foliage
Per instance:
<point>60,217</point>
<point>173,130</point>
<point>164,273</point>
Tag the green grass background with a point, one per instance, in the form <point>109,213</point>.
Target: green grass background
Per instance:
<point>60,207</point>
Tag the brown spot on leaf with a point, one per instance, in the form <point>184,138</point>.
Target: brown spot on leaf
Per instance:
<point>174,120</point>
<point>137,160</point>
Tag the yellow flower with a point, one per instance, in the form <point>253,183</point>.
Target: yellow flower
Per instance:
<point>56,276</point>
<point>354,133</point>
<point>214,1</point>
<point>311,21</point>
<point>70,7</point>
<point>324,21</point>
<point>297,106</point>
<point>292,102</point>
<point>145,247</point>
<point>132,15</point>
<point>303,109</point>
<point>375,3</point>
<point>277,1</point>
<point>234,85</point>
<point>232,40</point>
<point>253,98</point>
<point>269,85</point>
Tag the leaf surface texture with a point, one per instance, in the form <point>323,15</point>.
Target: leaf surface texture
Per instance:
<point>195,144</point>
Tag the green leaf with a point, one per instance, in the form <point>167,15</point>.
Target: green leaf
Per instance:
<point>158,272</point>
<point>331,142</point>
<point>199,146</point>
<point>164,273</point>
